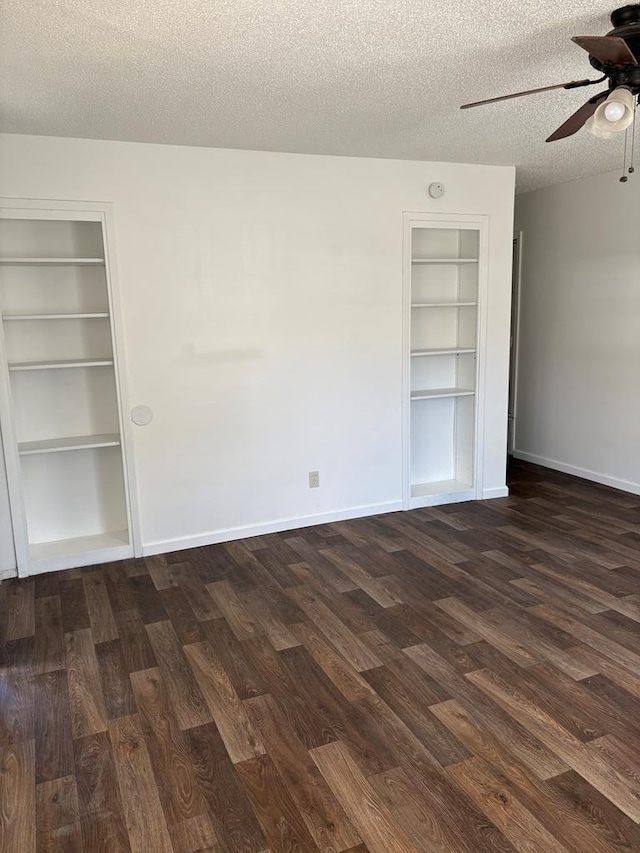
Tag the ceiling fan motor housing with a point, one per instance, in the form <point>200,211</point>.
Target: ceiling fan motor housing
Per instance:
<point>626,25</point>
<point>625,15</point>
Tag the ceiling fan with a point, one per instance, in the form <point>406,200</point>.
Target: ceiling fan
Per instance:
<point>617,57</point>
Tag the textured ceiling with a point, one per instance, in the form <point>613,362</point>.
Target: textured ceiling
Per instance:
<point>373,78</point>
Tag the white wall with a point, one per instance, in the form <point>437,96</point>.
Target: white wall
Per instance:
<point>578,401</point>
<point>262,298</point>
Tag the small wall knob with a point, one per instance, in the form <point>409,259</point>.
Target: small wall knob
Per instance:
<point>141,415</point>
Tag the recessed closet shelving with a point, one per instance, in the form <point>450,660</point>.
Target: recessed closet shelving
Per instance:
<point>60,402</point>
<point>442,360</point>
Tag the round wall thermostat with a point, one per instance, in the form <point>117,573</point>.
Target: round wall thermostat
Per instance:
<point>436,190</point>
<point>141,415</point>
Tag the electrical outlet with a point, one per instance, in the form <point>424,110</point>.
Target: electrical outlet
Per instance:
<point>314,479</point>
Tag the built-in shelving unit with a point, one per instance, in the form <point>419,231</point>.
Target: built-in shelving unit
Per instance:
<point>59,406</point>
<point>442,337</point>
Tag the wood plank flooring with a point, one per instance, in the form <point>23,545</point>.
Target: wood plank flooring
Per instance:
<point>462,679</point>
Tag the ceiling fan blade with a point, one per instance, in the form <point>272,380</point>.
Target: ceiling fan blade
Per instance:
<point>612,49</point>
<point>574,84</point>
<point>576,121</point>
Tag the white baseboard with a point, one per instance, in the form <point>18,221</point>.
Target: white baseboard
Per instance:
<point>584,473</point>
<point>6,574</point>
<point>498,492</point>
<point>216,536</point>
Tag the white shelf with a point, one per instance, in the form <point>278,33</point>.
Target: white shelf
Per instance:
<point>78,545</point>
<point>96,316</point>
<point>436,393</point>
<point>439,487</point>
<point>443,304</point>
<point>50,262</point>
<point>76,442</point>
<point>444,260</point>
<point>61,365</point>
<point>417,353</point>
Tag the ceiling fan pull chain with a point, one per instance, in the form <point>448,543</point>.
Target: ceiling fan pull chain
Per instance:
<point>632,168</point>
<point>624,177</point>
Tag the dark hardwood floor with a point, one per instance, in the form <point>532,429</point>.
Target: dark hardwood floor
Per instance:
<point>465,678</point>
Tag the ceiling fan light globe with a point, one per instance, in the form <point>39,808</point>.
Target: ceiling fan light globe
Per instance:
<point>599,132</point>
<point>613,115</point>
